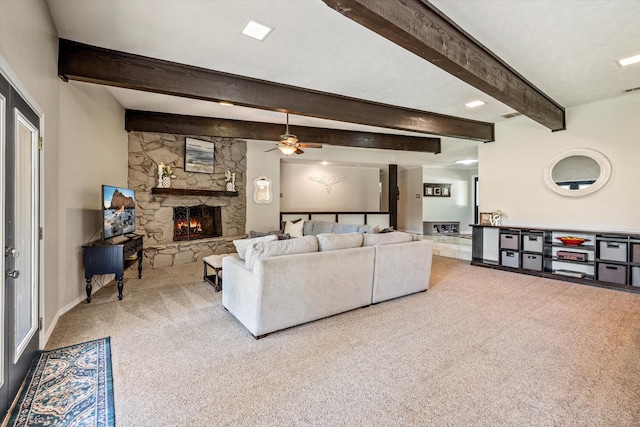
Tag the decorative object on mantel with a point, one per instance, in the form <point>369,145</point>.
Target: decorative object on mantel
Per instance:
<point>437,190</point>
<point>198,156</point>
<point>164,175</point>
<point>328,181</point>
<point>230,179</point>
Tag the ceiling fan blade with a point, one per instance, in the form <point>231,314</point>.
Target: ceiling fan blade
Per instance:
<point>266,151</point>
<point>298,151</point>
<point>309,145</point>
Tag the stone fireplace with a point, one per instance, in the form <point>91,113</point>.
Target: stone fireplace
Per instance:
<point>196,222</point>
<point>197,217</point>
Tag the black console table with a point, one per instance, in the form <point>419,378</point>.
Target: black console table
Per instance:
<point>106,257</point>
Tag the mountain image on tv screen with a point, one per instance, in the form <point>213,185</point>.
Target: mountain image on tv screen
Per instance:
<point>119,208</point>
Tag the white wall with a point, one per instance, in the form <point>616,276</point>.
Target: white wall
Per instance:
<point>511,168</point>
<point>94,147</point>
<point>77,121</point>
<point>28,44</point>
<point>458,207</point>
<point>357,190</point>
<point>410,203</point>
<point>262,217</point>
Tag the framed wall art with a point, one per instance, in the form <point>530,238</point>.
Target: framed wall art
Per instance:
<point>198,156</point>
<point>437,190</point>
<point>485,218</point>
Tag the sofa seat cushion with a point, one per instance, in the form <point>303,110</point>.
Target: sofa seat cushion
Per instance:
<point>260,250</point>
<point>242,244</point>
<point>332,242</point>
<point>386,238</point>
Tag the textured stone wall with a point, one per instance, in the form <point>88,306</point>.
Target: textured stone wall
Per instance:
<point>154,215</point>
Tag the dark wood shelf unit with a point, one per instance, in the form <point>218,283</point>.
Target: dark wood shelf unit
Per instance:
<point>487,246</point>
<point>192,192</point>
<point>108,257</point>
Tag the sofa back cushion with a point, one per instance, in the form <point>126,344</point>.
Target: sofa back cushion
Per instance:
<point>345,228</point>
<point>332,242</point>
<point>260,250</point>
<point>322,227</point>
<point>242,244</point>
<point>386,238</point>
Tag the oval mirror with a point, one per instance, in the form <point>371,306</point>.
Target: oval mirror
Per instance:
<point>577,172</point>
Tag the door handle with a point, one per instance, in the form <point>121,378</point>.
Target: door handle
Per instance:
<point>12,274</point>
<point>9,251</point>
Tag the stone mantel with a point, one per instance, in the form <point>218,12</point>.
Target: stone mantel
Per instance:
<point>192,192</point>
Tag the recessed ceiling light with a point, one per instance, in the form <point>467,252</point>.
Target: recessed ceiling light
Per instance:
<point>628,61</point>
<point>474,104</point>
<point>324,163</point>
<point>257,30</point>
<point>226,103</point>
<point>466,161</point>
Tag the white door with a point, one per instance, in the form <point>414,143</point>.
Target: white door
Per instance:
<point>19,230</point>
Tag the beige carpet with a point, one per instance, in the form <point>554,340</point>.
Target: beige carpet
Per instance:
<point>480,348</point>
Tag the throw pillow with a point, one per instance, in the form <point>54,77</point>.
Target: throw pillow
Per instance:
<point>332,242</point>
<point>387,230</point>
<point>368,229</point>
<point>261,250</point>
<point>242,244</point>
<point>294,229</point>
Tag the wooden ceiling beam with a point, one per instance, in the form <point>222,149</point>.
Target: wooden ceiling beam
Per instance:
<point>77,61</point>
<point>146,121</point>
<point>422,29</point>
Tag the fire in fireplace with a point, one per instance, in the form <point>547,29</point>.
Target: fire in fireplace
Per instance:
<point>196,222</point>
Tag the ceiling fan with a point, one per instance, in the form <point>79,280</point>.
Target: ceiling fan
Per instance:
<point>289,143</point>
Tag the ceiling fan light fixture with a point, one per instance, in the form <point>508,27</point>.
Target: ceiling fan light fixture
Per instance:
<point>288,138</point>
<point>287,150</point>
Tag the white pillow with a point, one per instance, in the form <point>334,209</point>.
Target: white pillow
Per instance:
<point>332,242</point>
<point>294,228</point>
<point>281,247</point>
<point>242,244</point>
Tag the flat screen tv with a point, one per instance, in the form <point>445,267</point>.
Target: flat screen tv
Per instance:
<point>118,211</point>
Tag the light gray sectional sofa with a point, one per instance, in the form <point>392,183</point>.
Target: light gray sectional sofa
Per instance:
<point>277,284</point>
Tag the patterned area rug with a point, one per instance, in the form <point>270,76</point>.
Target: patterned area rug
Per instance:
<point>70,386</point>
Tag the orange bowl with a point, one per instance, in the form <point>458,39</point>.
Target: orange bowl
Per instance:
<point>572,241</point>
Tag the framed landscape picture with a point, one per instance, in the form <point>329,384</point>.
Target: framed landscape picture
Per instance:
<point>198,156</point>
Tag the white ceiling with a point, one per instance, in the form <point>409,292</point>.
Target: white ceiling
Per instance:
<point>567,48</point>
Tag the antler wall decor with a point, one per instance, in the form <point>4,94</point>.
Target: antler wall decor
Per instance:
<point>328,181</point>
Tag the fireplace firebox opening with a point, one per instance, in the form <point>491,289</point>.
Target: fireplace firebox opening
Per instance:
<point>196,222</point>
